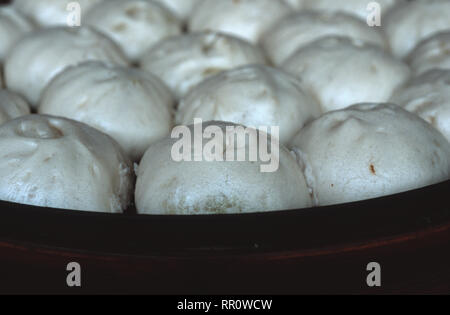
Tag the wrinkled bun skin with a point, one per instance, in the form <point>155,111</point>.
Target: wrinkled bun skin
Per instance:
<point>182,8</point>
<point>408,24</point>
<point>191,188</point>
<point>47,13</point>
<point>428,96</point>
<point>432,53</point>
<point>371,150</point>
<point>248,19</point>
<point>58,163</point>
<point>295,4</point>
<point>252,96</point>
<point>342,72</point>
<point>12,106</point>
<point>41,55</point>
<point>185,61</point>
<point>302,28</point>
<point>355,7</point>
<point>13,26</point>
<point>133,107</point>
<point>134,25</point>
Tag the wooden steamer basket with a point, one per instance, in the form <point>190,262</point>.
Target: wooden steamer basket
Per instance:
<point>320,250</point>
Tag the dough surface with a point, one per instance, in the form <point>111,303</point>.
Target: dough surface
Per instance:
<point>41,55</point>
<point>408,24</point>
<point>432,53</point>
<point>253,96</point>
<point>342,72</point>
<point>356,7</point>
<point>302,28</point>
<point>131,106</point>
<point>134,25</point>
<point>369,151</point>
<point>428,96</point>
<point>12,106</point>
<point>182,8</point>
<point>248,19</point>
<point>167,187</point>
<point>58,163</point>
<point>13,26</point>
<point>48,13</point>
<point>186,60</point>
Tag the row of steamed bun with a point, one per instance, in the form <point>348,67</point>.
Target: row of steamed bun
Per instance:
<point>109,92</point>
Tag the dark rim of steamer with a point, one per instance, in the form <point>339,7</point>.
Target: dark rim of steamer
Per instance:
<point>294,230</point>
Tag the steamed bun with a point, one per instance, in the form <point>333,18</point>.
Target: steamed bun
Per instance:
<point>58,163</point>
<point>371,150</point>
<point>432,53</point>
<point>342,72</point>
<point>166,186</point>
<point>358,8</point>
<point>46,13</point>
<point>428,96</point>
<point>41,55</point>
<point>252,96</point>
<point>13,27</point>
<point>182,8</point>
<point>12,106</point>
<point>248,19</point>
<point>186,60</point>
<point>408,24</point>
<point>303,28</point>
<point>131,106</point>
<point>134,25</point>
